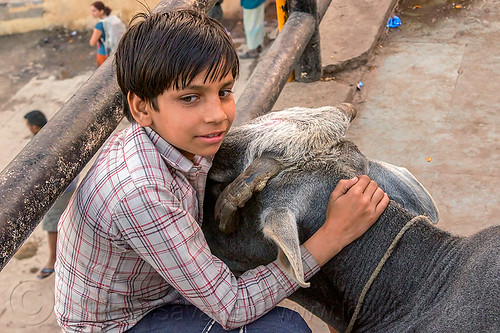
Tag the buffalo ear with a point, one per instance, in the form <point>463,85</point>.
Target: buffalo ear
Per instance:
<point>280,225</point>
<point>402,187</point>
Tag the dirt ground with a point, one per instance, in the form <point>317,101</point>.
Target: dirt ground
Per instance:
<point>60,53</point>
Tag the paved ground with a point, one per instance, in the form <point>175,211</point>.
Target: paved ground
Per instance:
<point>429,102</point>
<point>434,94</point>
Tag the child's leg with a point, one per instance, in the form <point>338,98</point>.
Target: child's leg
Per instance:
<point>188,318</point>
<point>173,318</point>
<point>278,320</point>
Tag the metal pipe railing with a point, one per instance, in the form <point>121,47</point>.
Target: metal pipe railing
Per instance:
<point>40,173</point>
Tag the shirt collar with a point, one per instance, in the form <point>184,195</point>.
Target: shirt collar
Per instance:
<point>173,157</point>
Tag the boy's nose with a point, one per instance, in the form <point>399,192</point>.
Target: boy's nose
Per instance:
<point>215,112</point>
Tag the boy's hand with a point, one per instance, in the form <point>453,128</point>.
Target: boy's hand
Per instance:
<point>354,205</point>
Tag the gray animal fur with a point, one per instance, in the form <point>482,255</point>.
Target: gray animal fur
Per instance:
<point>433,281</point>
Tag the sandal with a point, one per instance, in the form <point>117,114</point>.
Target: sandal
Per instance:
<point>251,54</point>
<point>45,272</point>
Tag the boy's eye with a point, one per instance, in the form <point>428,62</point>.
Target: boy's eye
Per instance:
<point>225,92</point>
<point>189,98</point>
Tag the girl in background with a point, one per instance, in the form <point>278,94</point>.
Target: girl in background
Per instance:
<point>99,11</point>
<point>107,32</point>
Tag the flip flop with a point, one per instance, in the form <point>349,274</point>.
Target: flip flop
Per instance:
<point>45,272</point>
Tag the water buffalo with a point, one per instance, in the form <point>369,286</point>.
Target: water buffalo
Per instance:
<point>268,190</point>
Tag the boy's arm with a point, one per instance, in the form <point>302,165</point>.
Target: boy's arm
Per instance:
<point>171,241</point>
<point>355,204</point>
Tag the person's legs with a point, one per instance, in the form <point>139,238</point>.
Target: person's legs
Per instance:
<point>48,268</point>
<point>173,318</point>
<point>279,320</point>
<point>52,238</point>
<point>188,318</point>
<point>49,224</point>
<point>253,23</point>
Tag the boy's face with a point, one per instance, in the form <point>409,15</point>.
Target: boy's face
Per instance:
<point>194,119</point>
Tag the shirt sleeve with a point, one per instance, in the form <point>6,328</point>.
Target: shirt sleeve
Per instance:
<point>100,26</point>
<point>166,236</point>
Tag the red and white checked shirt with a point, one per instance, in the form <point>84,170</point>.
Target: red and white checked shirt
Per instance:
<point>130,241</point>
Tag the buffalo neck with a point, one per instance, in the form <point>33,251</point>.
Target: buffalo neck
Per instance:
<point>410,278</point>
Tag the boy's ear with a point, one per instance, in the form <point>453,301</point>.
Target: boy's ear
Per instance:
<point>139,110</point>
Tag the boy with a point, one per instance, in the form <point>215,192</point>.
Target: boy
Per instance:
<point>131,254</point>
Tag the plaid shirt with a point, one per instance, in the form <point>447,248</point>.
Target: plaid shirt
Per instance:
<point>130,241</point>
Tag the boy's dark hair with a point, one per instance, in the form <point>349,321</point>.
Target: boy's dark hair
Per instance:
<point>167,50</point>
<point>36,118</point>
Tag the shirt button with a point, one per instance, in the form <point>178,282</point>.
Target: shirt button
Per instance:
<point>196,167</point>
